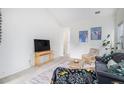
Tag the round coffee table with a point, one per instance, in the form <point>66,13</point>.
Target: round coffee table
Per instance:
<point>89,67</point>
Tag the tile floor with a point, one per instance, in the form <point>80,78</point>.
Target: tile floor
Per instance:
<point>31,75</point>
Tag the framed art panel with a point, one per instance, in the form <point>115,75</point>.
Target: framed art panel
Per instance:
<point>96,33</point>
<point>83,36</point>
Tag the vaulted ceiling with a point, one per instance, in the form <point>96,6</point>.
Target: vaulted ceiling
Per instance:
<point>72,16</point>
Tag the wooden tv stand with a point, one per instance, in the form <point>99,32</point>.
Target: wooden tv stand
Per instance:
<point>39,55</point>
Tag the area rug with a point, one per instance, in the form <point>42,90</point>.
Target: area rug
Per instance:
<point>45,77</point>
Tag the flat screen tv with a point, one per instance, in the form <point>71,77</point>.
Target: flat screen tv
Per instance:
<point>41,45</point>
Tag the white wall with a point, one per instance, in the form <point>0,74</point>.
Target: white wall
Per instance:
<point>77,48</point>
<point>20,27</point>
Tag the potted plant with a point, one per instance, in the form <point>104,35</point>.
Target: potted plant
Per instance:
<point>107,44</point>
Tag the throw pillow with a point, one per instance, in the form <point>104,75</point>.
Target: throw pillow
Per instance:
<point>121,64</point>
<point>116,70</point>
<point>110,63</point>
<point>105,59</point>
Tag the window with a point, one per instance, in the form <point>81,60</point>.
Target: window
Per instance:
<point>0,27</point>
<point>120,36</point>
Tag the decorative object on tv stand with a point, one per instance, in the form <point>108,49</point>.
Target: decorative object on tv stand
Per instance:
<point>0,27</point>
<point>83,36</point>
<point>76,61</point>
<point>96,33</point>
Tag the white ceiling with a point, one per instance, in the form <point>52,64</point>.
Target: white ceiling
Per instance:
<point>72,16</point>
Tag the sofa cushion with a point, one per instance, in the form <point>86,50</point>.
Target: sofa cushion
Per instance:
<point>116,70</point>
<point>110,63</point>
<point>118,57</point>
<point>121,63</point>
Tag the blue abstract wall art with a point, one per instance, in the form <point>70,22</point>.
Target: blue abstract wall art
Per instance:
<point>83,36</point>
<point>96,33</point>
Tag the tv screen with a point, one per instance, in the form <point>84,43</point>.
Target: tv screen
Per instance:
<point>41,45</point>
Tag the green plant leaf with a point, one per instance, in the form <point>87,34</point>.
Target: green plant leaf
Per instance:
<point>106,48</point>
<point>104,44</point>
<point>108,35</point>
<point>108,42</point>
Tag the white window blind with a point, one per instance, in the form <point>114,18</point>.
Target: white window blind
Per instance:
<point>120,36</point>
<point>0,27</point>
